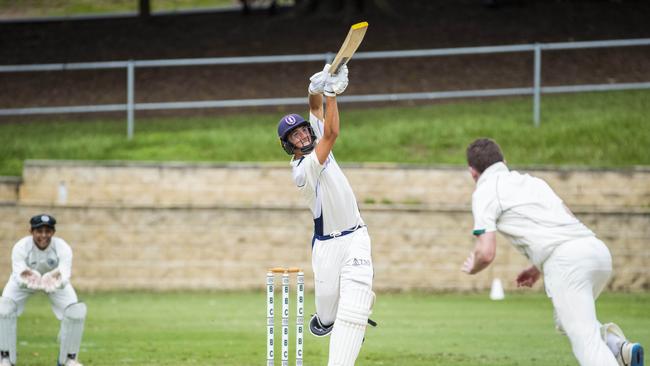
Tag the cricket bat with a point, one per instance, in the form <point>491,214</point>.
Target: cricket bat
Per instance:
<point>349,47</point>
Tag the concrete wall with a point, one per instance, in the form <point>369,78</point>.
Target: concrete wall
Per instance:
<point>195,226</point>
<point>9,187</point>
<point>205,185</point>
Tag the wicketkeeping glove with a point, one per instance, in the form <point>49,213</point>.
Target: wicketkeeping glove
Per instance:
<point>317,81</point>
<point>30,279</point>
<point>51,281</point>
<point>336,84</point>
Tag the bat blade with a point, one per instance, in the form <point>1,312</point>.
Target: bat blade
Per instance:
<point>349,47</point>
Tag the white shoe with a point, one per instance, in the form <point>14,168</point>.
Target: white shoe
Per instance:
<point>631,354</point>
<point>5,362</point>
<point>72,362</point>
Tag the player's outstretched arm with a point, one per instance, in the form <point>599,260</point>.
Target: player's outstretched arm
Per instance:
<point>334,85</point>
<point>316,89</point>
<point>316,105</point>
<point>330,130</point>
<point>483,254</point>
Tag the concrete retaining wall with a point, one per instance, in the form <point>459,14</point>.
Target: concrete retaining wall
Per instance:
<point>194,226</point>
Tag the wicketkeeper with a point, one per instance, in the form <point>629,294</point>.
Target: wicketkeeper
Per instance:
<point>575,264</point>
<point>42,262</point>
<point>341,257</point>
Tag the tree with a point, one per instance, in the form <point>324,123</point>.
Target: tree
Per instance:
<point>144,8</point>
<point>346,8</point>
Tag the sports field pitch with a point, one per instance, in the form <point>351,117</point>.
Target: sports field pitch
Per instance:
<point>226,328</point>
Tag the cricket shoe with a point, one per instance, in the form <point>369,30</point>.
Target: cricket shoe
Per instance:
<point>70,362</point>
<point>5,362</point>
<point>631,354</point>
<point>317,328</point>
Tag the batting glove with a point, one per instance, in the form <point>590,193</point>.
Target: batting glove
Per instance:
<point>317,81</point>
<point>336,84</point>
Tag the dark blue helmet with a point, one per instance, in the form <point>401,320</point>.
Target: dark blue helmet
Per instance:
<point>287,124</point>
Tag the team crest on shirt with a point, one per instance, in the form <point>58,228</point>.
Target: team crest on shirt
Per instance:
<point>51,262</point>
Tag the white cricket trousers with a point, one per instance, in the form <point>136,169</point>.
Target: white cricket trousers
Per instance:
<point>59,299</point>
<point>342,266</point>
<point>574,275</point>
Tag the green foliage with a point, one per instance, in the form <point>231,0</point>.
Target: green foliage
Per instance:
<point>228,329</point>
<point>594,130</point>
<point>45,8</point>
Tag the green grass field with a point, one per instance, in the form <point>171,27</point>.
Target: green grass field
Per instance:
<point>229,329</point>
<point>593,130</point>
<point>45,8</point>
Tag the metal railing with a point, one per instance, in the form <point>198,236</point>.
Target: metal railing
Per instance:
<point>536,90</point>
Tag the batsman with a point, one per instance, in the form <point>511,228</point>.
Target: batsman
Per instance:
<point>341,258</point>
<point>42,262</point>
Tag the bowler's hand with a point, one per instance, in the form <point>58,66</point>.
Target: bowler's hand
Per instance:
<point>528,277</point>
<point>469,264</point>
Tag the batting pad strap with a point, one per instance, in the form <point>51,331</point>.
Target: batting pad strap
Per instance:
<point>72,327</point>
<point>353,314</point>
<point>8,316</point>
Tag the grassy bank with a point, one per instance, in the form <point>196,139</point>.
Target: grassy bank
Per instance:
<point>594,130</point>
<point>48,8</point>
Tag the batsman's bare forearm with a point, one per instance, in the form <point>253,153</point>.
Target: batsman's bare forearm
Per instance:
<point>330,130</point>
<point>316,105</point>
<point>484,252</point>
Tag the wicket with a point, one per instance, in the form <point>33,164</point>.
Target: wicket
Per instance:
<point>270,314</point>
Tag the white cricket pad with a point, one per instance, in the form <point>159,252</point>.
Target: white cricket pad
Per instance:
<point>72,328</point>
<point>8,316</point>
<point>350,327</point>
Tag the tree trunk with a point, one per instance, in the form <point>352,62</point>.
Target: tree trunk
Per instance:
<point>345,10</point>
<point>145,8</point>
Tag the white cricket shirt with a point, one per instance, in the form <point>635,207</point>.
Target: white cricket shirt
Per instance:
<point>26,254</point>
<point>525,210</point>
<point>326,189</point>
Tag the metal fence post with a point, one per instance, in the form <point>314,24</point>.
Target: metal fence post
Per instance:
<point>329,57</point>
<point>538,84</point>
<point>130,93</point>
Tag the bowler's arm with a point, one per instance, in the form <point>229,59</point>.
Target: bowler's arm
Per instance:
<point>484,253</point>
